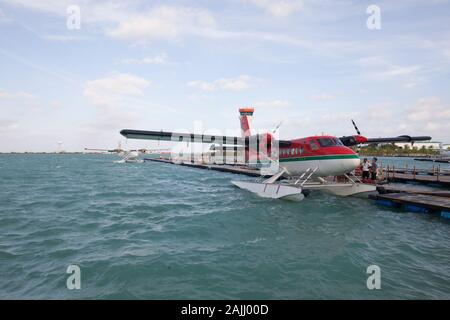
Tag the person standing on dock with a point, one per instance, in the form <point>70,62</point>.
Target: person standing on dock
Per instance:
<point>373,169</point>
<point>365,169</point>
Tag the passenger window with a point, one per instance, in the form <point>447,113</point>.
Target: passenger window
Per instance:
<point>313,145</point>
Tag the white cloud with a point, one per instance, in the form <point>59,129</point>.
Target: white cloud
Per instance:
<point>156,59</point>
<point>202,85</point>
<point>381,69</point>
<point>50,6</point>
<point>63,37</point>
<point>374,61</point>
<point>163,23</point>
<point>380,112</point>
<point>428,116</point>
<point>429,109</point>
<point>279,8</point>
<point>272,104</point>
<point>322,97</point>
<point>108,91</point>
<point>15,95</point>
<point>395,71</point>
<point>3,17</point>
<point>128,21</point>
<point>8,125</point>
<point>92,11</point>
<point>238,83</point>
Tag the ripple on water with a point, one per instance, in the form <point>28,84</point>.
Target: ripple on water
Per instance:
<point>162,231</point>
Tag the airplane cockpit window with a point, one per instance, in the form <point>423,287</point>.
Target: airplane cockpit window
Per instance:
<point>329,142</point>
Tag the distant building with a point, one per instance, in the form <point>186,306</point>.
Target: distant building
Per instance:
<point>434,145</point>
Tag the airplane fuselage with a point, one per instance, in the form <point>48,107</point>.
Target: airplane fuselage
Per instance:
<point>324,152</point>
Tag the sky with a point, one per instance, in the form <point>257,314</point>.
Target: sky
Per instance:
<point>189,65</point>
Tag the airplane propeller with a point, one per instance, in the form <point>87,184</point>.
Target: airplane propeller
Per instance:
<point>277,127</point>
<point>356,128</point>
<point>358,147</point>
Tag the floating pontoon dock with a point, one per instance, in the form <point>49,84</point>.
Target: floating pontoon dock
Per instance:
<point>414,202</point>
<point>438,180</point>
<point>384,189</point>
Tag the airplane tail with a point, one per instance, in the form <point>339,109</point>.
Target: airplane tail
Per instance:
<point>245,118</point>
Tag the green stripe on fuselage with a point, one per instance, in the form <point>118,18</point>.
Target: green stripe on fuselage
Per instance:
<point>312,158</point>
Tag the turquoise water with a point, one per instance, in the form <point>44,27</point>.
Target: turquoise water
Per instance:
<point>159,231</point>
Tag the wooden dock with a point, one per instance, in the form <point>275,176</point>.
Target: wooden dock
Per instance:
<point>385,189</point>
<point>435,171</point>
<point>420,203</point>
<point>438,160</point>
<point>439,180</point>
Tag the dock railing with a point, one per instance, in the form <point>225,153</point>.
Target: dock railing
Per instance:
<point>412,173</point>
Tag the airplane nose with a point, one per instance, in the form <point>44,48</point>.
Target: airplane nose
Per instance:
<point>352,164</point>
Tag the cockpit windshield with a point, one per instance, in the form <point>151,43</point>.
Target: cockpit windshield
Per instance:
<point>329,142</point>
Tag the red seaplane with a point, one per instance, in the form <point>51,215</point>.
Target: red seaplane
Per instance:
<point>301,164</point>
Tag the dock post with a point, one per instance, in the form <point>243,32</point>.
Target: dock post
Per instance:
<point>414,173</point>
<point>438,171</point>
<point>393,171</point>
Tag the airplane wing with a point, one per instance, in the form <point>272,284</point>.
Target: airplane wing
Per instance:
<point>350,141</point>
<point>199,138</point>
<point>181,137</point>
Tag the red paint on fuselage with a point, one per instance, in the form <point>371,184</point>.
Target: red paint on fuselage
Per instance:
<point>302,147</point>
<point>310,146</point>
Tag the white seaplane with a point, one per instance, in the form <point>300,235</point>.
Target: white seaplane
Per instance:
<point>128,156</point>
<point>295,166</point>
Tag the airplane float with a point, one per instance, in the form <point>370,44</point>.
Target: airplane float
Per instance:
<point>302,164</point>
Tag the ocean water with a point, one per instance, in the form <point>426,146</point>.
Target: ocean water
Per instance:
<point>160,231</point>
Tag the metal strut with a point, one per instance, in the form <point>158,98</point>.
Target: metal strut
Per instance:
<point>308,173</point>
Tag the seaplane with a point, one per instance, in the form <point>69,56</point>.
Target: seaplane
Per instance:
<point>128,156</point>
<point>292,168</point>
